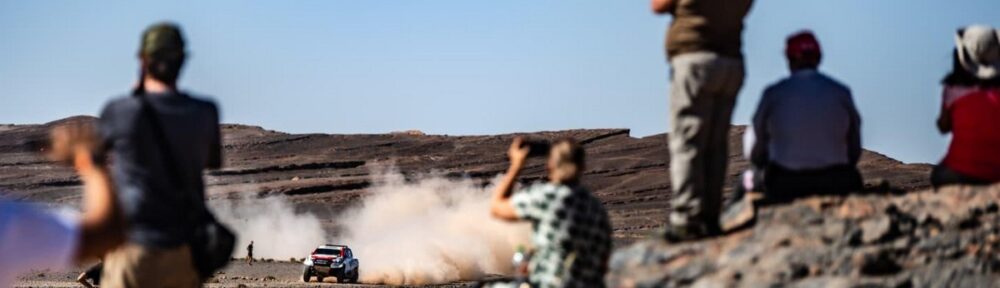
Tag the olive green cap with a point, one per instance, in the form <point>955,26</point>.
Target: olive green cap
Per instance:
<point>162,38</point>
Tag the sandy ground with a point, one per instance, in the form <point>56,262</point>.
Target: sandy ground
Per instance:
<point>237,274</point>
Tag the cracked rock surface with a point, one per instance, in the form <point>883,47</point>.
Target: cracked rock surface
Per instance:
<point>944,238</point>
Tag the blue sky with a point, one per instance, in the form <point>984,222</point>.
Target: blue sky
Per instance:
<point>470,67</point>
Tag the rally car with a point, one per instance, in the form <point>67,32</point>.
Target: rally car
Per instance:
<point>332,261</point>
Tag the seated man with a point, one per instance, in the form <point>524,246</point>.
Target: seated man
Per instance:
<point>807,130</point>
<point>572,232</point>
<point>970,111</point>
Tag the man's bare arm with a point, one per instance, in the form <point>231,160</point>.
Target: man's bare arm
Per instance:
<point>500,205</point>
<point>663,6</point>
<point>82,279</point>
<point>101,225</point>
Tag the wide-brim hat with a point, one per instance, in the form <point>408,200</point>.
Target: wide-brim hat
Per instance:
<point>978,48</point>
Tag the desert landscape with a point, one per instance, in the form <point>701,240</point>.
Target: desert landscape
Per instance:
<point>291,192</point>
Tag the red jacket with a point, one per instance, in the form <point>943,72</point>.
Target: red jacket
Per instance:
<point>975,125</point>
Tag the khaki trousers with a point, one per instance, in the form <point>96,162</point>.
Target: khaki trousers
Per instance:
<point>702,96</point>
<point>134,266</point>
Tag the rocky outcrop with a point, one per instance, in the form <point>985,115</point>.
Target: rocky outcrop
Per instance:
<point>944,238</point>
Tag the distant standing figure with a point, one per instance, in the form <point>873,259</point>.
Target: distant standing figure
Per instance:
<point>704,47</point>
<point>250,253</point>
<point>807,130</point>
<point>970,110</point>
<point>93,274</point>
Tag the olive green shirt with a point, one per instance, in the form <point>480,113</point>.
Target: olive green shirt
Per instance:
<point>708,26</point>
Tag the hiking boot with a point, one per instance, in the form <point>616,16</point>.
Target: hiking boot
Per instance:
<point>685,233</point>
<point>738,212</point>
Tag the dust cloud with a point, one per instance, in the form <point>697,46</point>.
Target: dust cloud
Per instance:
<point>429,230</point>
<point>424,231</point>
<point>278,231</point>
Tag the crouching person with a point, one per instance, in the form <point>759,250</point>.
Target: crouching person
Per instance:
<point>571,230</point>
<point>807,131</point>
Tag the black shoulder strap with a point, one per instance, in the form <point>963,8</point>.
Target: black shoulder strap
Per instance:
<point>159,136</point>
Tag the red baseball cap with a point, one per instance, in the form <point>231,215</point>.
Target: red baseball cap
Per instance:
<point>801,44</point>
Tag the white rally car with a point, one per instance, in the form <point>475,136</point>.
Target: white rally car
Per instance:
<point>332,261</point>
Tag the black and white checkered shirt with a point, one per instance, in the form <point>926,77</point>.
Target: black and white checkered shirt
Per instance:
<point>572,235</point>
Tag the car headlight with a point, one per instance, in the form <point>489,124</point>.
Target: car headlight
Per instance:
<point>308,262</point>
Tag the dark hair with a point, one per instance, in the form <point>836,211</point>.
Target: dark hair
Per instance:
<point>165,68</point>
<point>808,60</point>
<point>571,160</point>
<point>961,77</point>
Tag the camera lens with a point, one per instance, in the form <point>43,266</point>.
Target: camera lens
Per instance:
<point>537,148</point>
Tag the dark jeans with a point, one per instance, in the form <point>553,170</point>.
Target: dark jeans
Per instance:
<point>942,176</point>
<point>779,183</point>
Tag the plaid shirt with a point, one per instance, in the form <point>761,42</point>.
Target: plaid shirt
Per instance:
<point>572,235</point>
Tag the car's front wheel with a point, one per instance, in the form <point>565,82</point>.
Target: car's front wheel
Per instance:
<point>356,275</point>
<point>307,274</point>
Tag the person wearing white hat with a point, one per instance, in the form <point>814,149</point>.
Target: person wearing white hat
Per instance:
<point>970,110</point>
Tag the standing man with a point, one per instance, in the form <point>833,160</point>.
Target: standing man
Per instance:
<point>250,253</point>
<point>704,47</point>
<point>160,141</point>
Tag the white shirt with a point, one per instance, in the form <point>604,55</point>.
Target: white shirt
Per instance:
<point>32,239</point>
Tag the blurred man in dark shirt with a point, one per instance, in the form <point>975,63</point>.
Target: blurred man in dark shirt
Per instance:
<point>159,181</point>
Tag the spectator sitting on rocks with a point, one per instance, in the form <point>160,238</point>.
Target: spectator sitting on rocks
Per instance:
<point>572,232</point>
<point>807,131</point>
<point>970,111</point>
